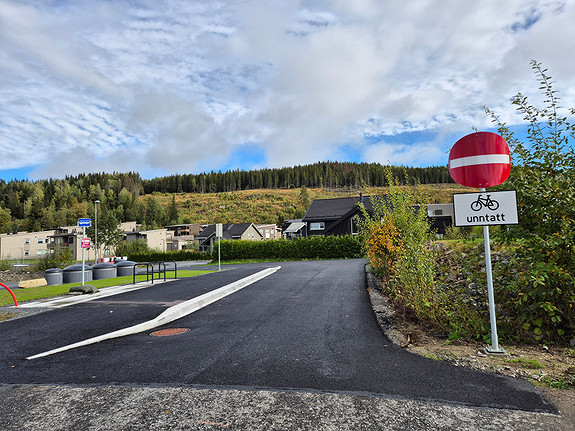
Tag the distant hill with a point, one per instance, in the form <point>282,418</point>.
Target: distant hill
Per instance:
<point>265,195</point>
<point>270,205</point>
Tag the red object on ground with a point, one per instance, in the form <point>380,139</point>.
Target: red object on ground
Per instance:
<point>480,160</point>
<point>11,293</point>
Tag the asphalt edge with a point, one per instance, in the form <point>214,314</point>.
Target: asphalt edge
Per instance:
<point>383,312</point>
<point>384,315</point>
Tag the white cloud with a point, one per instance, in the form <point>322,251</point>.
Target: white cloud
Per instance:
<point>415,154</point>
<point>180,86</point>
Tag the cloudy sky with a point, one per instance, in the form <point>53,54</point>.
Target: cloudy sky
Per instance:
<point>185,86</point>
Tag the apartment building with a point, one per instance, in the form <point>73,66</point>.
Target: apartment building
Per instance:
<point>25,245</point>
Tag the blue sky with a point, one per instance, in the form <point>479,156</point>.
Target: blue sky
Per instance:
<point>185,86</point>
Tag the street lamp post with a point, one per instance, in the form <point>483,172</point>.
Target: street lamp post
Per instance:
<point>96,202</point>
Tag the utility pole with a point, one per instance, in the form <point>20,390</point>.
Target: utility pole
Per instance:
<point>96,202</point>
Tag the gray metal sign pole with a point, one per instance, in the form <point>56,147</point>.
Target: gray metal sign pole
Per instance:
<point>494,341</point>
<point>219,234</point>
<point>96,202</point>
<point>83,255</point>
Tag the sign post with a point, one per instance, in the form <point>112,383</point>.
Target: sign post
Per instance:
<point>481,160</point>
<point>219,235</point>
<point>84,223</point>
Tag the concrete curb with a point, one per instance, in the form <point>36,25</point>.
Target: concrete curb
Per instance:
<point>171,314</point>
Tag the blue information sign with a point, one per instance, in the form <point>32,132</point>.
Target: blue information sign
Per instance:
<point>84,222</point>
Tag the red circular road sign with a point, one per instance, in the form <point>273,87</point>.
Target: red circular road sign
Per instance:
<point>480,160</point>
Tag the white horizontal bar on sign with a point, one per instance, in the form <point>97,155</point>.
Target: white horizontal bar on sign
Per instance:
<point>484,159</point>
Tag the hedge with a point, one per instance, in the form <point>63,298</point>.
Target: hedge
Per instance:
<point>158,256</point>
<point>329,247</point>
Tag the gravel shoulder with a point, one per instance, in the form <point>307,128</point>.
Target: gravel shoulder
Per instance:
<point>533,363</point>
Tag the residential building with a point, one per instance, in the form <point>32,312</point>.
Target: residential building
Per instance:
<point>25,245</point>
<point>441,216</point>
<point>293,229</point>
<point>183,236</point>
<point>269,231</point>
<point>334,216</point>
<point>339,216</point>
<point>69,237</point>
<point>238,231</point>
<point>156,238</point>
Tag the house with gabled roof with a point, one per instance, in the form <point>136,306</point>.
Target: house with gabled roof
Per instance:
<point>335,216</point>
<point>232,231</point>
<point>293,229</point>
<point>339,216</point>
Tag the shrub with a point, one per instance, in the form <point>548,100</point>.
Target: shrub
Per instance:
<point>411,276</point>
<point>543,175</point>
<point>384,248</point>
<point>329,247</point>
<point>61,258</point>
<point>137,246</point>
<point>159,256</point>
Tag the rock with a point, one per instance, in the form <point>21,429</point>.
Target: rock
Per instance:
<point>83,289</point>
<point>38,282</point>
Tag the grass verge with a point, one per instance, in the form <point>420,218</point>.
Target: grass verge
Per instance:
<point>34,293</point>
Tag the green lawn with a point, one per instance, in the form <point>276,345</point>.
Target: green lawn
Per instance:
<point>51,291</point>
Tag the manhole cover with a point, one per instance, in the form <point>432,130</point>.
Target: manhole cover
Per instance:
<point>169,332</point>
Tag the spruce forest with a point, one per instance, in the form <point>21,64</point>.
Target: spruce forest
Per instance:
<point>188,198</point>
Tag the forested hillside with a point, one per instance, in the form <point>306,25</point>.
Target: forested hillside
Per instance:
<point>203,198</point>
<point>331,175</point>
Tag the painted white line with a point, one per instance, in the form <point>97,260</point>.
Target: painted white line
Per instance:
<point>78,299</point>
<point>479,160</point>
<point>170,314</point>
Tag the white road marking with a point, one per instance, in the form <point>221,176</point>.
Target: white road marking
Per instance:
<point>170,314</point>
<point>77,299</point>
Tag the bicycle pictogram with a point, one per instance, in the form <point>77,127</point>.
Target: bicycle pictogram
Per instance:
<point>486,202</point>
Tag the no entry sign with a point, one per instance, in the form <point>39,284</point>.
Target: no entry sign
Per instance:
<point>480,160</point>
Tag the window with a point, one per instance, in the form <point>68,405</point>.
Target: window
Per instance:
<point>438,212</point>
<point>27,241</point>
<point>40,240</point>
<point>354,226</point>
<point>318,225</point>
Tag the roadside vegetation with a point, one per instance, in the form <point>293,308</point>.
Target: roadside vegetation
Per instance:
<point>442,284</point>
<point>329,247</point>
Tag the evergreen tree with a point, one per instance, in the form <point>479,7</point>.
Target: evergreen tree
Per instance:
<point>172,213</point>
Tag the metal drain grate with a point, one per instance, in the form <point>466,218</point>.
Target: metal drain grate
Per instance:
<point>169,332</point>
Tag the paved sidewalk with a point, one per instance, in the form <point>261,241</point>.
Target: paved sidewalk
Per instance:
<point>158,408</point>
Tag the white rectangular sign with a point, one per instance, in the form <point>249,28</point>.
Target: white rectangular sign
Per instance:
<point>485,208</point>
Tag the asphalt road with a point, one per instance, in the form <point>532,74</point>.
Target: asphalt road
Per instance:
<point>308,327</point>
